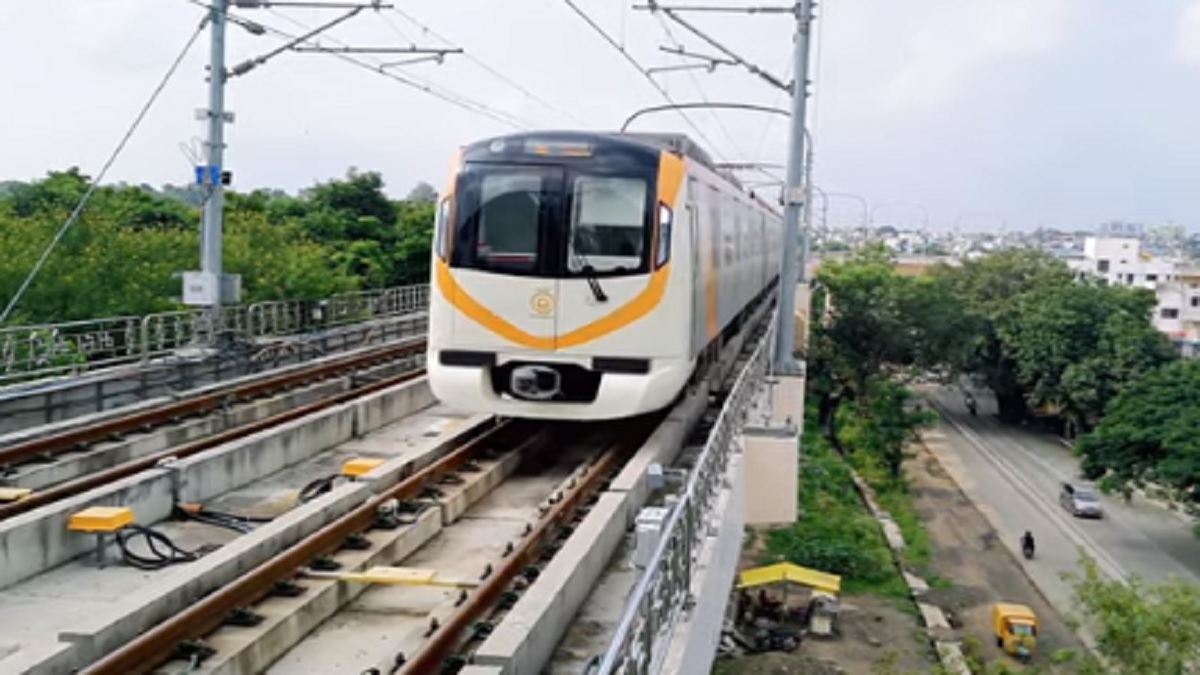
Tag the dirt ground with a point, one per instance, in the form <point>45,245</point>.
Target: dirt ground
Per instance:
<point>871,628</point>
<point>981,569</point>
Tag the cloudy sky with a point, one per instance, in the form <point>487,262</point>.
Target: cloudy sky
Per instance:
<point>980,112</point>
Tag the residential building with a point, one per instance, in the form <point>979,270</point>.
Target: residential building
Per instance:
<point>1122,261</point>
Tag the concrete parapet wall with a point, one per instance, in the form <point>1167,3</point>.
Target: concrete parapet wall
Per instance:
<point>67,399</point>
<point>34,542</point>
<point>699,633</point>
<point>527,637</point>
<point>243,461</point>
<point>381,408</point>
<point>662,447</point>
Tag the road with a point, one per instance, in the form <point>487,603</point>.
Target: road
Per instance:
<point>1014,476</point>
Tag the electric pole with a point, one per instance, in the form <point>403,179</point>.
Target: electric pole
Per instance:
<point>796,194</point>
<point>797,191</point>
<point>211,287</point>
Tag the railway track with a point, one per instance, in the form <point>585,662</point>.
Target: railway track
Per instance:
<point>441,486</point>
<point>47,448</point>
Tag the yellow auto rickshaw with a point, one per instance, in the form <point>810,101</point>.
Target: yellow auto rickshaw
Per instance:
<point>1016,629</point>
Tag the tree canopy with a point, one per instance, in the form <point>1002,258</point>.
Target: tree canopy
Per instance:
<point>1020,323</point>
<point>1151,431</point>
<point>121,256</point>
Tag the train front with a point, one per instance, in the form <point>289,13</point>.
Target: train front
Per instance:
<point>552,293</point>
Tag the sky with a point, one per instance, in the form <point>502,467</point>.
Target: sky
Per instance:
<point>982,114</point>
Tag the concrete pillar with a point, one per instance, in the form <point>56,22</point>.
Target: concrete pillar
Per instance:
<point>772,475</point>
<point>803,312</point>
<point>787,402</point>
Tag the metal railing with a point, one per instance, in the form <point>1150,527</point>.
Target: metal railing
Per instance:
<point>663,593</point>
<point>49,350</point>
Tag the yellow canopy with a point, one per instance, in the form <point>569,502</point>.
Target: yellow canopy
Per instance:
<point>821,581</point>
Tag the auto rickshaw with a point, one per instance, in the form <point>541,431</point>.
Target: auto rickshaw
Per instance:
<point>1016,629</point>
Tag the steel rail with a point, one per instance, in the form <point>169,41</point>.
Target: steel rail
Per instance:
<point>93,480</point>
<point>197,405</point>
<point>449,635</point>
<point>154,647</point>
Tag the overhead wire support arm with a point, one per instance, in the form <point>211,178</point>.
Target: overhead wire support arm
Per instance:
<point>257,4</point>
<point>710,105</point>
<point>781,9</point>
<point>671,14</point>
<point>712,61</point>
<point>378,50</point>
<point>247,66</point>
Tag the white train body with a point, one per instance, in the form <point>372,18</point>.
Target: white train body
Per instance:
<point>584,276</point>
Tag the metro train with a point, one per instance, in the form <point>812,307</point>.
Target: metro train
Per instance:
<point>587,276</point>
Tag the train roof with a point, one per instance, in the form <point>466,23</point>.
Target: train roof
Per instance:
<point>677,143</point>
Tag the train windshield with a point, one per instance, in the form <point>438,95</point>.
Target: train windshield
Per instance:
<point>551,221</point>
<point>608,224</point>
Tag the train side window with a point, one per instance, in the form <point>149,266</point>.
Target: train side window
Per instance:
<point>441,236</point>
<point>714,227</point>
<point>727,229</point>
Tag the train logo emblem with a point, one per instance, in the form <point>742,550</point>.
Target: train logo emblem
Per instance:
<point>542,302</point>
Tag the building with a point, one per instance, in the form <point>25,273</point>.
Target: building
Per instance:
<point>1122,261</point>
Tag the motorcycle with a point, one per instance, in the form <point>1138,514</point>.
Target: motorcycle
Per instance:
<point>1027,547</point>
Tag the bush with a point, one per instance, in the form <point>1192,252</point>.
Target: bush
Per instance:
<point>835,533</point>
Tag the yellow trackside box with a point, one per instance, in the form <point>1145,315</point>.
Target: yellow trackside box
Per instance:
<point>100,519</point>
<point>360,466</point>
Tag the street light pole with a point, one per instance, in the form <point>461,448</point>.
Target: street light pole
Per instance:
<point>866,207</point>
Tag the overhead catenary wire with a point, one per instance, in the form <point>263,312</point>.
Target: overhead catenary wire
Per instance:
<point>490,69</point>
<point>649,78</point>
<point>700,89</point>
<point>87,195</point>
<point>441,93</point>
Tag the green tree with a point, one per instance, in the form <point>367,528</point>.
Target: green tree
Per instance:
<point>1139,628</point>
<point>121,256</point>
<point>989,290</point>
<point>876,322</point>
<point>422,193</point>
<point>1076,345</point>
<point>1151,432</point>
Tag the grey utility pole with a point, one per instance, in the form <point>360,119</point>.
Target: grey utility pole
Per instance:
<point>216,290</point>
<point>211,287</point>
<point>795,195</point>
<point>796,191</point>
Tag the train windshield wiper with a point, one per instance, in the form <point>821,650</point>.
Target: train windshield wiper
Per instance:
<point>589,273</point>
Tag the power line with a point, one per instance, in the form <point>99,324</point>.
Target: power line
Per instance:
<point>699,89</point>
<point>650,78</point>
<point>137,122</point>
<point>495,73</point>
<point>445,94</point>
<point>426,86</point>
<point>779,95</point>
